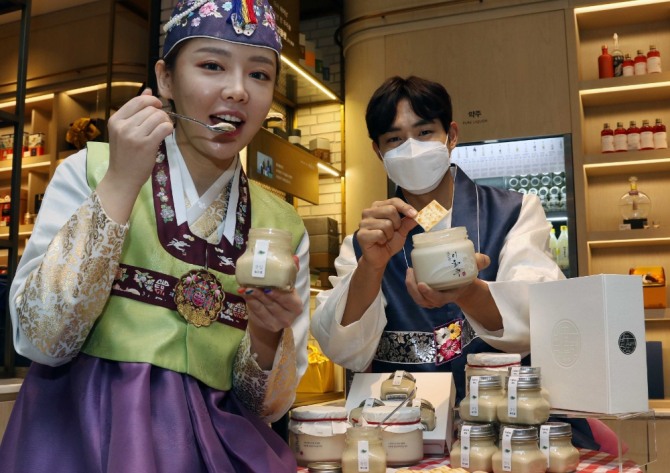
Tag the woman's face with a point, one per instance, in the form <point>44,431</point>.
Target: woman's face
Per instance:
<point>214,81</point>
<point>407,124</point>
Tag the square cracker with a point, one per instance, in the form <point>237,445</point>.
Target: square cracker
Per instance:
<point>430,215</point>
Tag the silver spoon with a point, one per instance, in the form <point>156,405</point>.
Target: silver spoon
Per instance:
<point>222,127</point>
<point>403,403</point>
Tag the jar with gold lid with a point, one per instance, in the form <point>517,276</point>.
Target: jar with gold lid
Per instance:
<point>316,433</point>
<point>519,452</point>
<point>523,402</point>
<point>267,261</point>
<point>402,433</point>
<point>355,413</point>
<point>398,386</point>
<point>364,451</point>
<point>324,467</point>
<point>556,444</point>
<point>474,447</point>
<point>481,400</point>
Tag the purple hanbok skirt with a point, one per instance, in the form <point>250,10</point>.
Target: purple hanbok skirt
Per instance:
<point>99,416</point>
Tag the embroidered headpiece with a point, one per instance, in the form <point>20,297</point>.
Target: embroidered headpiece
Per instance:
<point>250,22</point>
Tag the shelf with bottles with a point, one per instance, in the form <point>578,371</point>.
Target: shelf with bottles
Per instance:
<point>638,25</point>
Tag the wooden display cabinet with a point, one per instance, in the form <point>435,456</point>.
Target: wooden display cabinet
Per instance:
<point>603,178</point>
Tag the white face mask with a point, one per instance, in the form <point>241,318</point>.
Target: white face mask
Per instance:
<point>417,166</point>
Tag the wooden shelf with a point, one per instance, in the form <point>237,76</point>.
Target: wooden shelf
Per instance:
<point>24,231</point>
<point>628,13</point>
<point>657,315</point>
<point>635,89</point>
<point>629,238</point>
<point>34,163</point>
<point>637,162</point>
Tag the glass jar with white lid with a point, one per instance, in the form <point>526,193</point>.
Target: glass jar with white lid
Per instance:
<point>474,447</point>
<point>556,444</point>
<point>523,402</point>
<point>427,413</point>
<point>355,413</point>
<point>480,404</point>
<point>519,452</point>
<point>316,433</point>
<point>267,261</point>
<point>444,259</point>
<point>402,433</point>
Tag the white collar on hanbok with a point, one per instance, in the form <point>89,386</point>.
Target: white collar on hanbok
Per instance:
<point>183,191</point>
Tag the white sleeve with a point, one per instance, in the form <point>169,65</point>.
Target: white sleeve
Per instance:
<point>353,346</point>
<point>524,260</point>
<point>300,326</point>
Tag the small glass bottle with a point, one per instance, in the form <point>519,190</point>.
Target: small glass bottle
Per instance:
<point>363,451</point>
<point>605,64</point>
<point>480,403</point>
<point>398,386</point>
<point>519,452</point>
<point>607,139</point>
<point>474,448</point>
<point>402,433</point>
<point>640,63</point>
<point>617,58</point>
<point>523,402</point>
<point>556,445</point>
<point>628,66</point>
<point>267,261</point>
<point>444,259</point>
<point>646,136</point>
<point>316,433</point>
<point>660,135</point>
<point>653,60</point>
<point>620,138</point>
<point>633,136</point>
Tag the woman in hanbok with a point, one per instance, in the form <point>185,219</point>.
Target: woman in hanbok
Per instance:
<point>134,238</point>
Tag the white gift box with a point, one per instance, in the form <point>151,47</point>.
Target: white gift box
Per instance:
<point>587,334</point>
<point>438,388</point>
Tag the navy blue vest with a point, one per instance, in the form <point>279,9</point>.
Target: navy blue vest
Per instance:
<point>409,338</point>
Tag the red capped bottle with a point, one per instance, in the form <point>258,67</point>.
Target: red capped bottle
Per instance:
<point>640,63</point>
<point>646,136</point>
<point>628,66</point>
<point>660,137</point>
<point>607,139</point>
<point>620,138</point>
<point>606,64</point>
<point>653,60</point>
<point>633,136</point>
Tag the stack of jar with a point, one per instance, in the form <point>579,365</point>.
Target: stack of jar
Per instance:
<point>633,138</point>
<point>517,406</point>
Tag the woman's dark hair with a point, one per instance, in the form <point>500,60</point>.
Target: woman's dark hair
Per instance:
<point>428,99</point>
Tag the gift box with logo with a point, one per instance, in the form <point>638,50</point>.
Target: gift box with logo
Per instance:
<point>588,336</point>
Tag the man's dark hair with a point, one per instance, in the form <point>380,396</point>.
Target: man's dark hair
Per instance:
<point>429,100</point>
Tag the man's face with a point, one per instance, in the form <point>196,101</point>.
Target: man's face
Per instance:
<point>407,124</point>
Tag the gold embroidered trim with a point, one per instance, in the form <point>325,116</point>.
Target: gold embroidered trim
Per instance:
<point>269,395</point>
<point>63,297</point>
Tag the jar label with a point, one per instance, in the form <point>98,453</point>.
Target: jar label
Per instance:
<point>544,441</point>
<point>647,140</point>
<point>260,258</point>
<point>512,396</point>
<point>474,396</point>
<point>397,377</point>
<point>660,140</point>
<point>506,442</point>
<point>465,446</point>
<point>363,456</point>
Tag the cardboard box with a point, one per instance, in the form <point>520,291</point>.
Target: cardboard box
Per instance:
<point>438,388</point>
<point>324,244</point>
<point>322,261</point>
<point>654,292</point>
<point>321,226</point>
<point>587,334</point>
